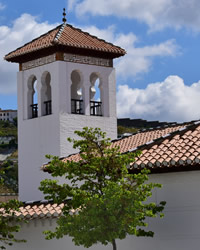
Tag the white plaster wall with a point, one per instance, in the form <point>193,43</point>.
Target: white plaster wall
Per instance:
<point>107,76</point>
<point>36,137</point>
<point>70,122</point>
<point>48,134</point>
<point>12,115</point>
<point>179,230</point>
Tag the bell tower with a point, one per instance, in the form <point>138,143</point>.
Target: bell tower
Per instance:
<point>66,81</point>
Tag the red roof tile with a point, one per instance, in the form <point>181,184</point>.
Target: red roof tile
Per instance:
<point>178,149</point>
<point>168,150</point>
<point>68,36</point>
<point>163,147</point>
<point>131,142</point>
<point>39,210</point>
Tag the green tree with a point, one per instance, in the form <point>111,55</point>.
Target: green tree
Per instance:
<point>121,130</point>
<point>105,202</point>
<point>15,121</point>
<point>9,222</point>
<point>10,175</point>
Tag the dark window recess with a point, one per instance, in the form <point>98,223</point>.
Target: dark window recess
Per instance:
<point>95,108</point>
<point>48,109</point>
<point>34,108</point>
<point>76,106</point>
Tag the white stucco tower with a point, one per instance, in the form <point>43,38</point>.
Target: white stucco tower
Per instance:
<point>66,81</point>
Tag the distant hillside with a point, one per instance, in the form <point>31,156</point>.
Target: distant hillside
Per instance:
<point>8,129</point>
<point>8,136</point>
<point>140,123</point>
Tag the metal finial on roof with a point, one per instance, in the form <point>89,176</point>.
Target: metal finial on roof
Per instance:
<point>64,15</point>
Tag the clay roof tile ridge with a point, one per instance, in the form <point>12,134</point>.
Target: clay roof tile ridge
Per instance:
<point>7,56</point>
<point>88,34</point>
<point>56,39</point>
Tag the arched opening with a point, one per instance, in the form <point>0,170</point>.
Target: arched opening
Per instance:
<point>76,93</point>
<point>95,95</point>
<point>32,97</point>
<point>46,101</point>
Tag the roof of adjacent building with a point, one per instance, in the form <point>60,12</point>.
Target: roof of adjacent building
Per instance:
<point>177,151</point>
<point>142,139</point>
<point>39,209</point>
<point>8,110</point>
<point>174,148</point>
<point>65,37</point>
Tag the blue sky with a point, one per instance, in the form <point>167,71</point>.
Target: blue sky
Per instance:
<point>158,79</point>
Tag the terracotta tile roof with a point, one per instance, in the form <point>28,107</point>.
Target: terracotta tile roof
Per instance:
<point>68,36</point>
<point>40,209</point>
<point>176,150</point>
<point>173,147</point>
<point>131,142</point>
<point>39,43</point>
<point>143,137</point>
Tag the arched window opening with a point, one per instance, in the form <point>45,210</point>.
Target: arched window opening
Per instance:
<point>32,97</point>
<point>46,101</point>
<point>76,93</point>
<point>95,95</point>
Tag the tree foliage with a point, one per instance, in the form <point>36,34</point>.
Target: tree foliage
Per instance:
<point>9,222</point>
<point>121,130</point>
<point>104,201</point>
<point>10,175</point>
<point>8,129</point>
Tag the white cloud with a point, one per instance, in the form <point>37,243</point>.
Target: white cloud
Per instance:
<point>108,34</point>
<point>2,6</point>
<point>24,29</point>
<point>71,4</point>
<point>170,100</point>
<point>138,60</point>
<point>157,14</point>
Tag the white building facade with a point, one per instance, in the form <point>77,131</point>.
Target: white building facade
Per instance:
<point>47,133</point>
<point>178,230</point>
<point>65,89</point>
<point>8,115</point>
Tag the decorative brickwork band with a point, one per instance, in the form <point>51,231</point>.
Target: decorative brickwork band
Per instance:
<point>38,62</point>
<point>88,60</point>
<point>67,58</point>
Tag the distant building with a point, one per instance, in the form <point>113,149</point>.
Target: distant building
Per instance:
<point>8,115</point>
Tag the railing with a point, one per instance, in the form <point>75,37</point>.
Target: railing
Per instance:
<point>48,110</point>
<point>95,108</point>
<point>34,108</point>
<point>76,106</point>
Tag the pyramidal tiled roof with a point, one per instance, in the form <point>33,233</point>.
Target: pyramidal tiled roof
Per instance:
<point>68,36</point>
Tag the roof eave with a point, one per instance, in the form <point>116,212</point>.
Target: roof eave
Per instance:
<point>61,48</point>
<point>167,169</point>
